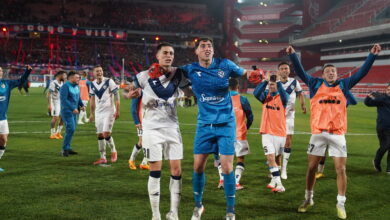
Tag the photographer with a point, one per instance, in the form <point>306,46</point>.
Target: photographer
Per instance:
<point>382,102</point>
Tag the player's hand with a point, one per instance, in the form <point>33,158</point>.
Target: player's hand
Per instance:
<point>76,112</point>
<point>267,75</point>
<point>29,67</point>
<point>290,50</point>
<point>91,117</point>
<point>376,49</point>
<point>116,115</point>
<point>134,93</point>
<point>304,110</point>
<point>139,126</point>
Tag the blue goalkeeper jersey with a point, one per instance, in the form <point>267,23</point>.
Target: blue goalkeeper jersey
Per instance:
<point>211,88</point>
<point>5,92</point>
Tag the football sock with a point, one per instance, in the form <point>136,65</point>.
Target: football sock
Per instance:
<point>154,192</point>
<point>229,186</point>
<point>59,128</point>
<point>220,172</point>
<point>341,200</point>
<point>53,131</point>
<point>144,161</point>
<point>240,167</point>
<point>309,195</point>
<point>275,174</point>
<point>198,182</point>
<point>111,144</point>
<point>286,156</point>
<point>135,152</point>
<point>102,147</point>
<point>2,150</point>
<point>175,189</point>
<point>321,167</point>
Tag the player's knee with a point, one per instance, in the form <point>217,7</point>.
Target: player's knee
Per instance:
<point>340,170</point>
<point>107,135</point>
<point>176,171</point>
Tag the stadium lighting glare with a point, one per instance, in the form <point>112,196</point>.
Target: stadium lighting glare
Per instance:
<point>143,39</point>
<point>340,41</point>
<point>265,5</point>
<point>157,38</point>
<point>238,19</point>
<point>261,3</point>
<point>260,41</point>
<point>196,40</point>
<point>4,29</point>
<point>240,1</point>
<point>236,43</point>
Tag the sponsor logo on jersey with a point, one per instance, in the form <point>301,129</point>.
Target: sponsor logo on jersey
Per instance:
<point>199,73</point>
<point>2,98</point>
<point>221,73</point>
<point>211,99</point>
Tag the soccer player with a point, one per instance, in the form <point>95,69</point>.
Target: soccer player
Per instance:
<point>104,109</point>
<point>244,118</point>
<point>136,112</point>
<point>84,94</point>
<point>382,102</point>
<point>329,98</point>
<point>293,89</point>
<point>160,124</point>
<point>5,94</point>
<point>54,107</point>
<point>273,124</point>
<point>216,127</point>
<point>70,104</point>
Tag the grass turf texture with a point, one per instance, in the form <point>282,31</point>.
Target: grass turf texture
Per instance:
<point>40,184</point>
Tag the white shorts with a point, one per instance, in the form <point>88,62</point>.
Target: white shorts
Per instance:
<point>241,147</point>
<point>139,132</point>
<point>4,127</point>
<point>273,144</point>
<point>336,144</point>
<point>162,142</point>
<point>104,122</point>
<point>290,126</point>
<point>85,103</point>
<point>55,108</point>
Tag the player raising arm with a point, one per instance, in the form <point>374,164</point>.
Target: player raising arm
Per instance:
<point>329,98</point>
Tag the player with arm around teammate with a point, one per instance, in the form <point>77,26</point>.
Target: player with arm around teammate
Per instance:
<point>216,127</point>
<point>329,98</point>
<point>160,125</point>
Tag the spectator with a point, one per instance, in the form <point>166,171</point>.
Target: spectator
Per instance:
<point>382,102</point>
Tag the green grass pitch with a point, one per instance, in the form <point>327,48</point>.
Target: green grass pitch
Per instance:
<point>40,184</point>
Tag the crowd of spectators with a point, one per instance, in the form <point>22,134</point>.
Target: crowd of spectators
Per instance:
<point>142,16</point>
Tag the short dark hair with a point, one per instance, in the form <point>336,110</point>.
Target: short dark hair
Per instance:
<point>203,39</point>
<point>283,63</point>
<point>163,44</point>
<point>72,73</point>
<point>97,66</point>
<point>59,73</point>
<point>326,66</point>
<point>233,83</point>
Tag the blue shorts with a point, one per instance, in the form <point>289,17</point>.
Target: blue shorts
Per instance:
<point>215,138</point>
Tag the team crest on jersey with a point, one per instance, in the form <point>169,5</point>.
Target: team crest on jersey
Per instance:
<point>3,85</point>
<point>221,73</point>
<point>292,87</point>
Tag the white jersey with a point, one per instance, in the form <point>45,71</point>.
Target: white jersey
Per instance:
<point>159,99</point>
<point>54,89</point>
<point>103,93</point>
<point>292,87</point>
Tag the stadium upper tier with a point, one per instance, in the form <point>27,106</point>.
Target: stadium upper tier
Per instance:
<point>348,15</point>
<point>256,31</point>
<point>137,15</point>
